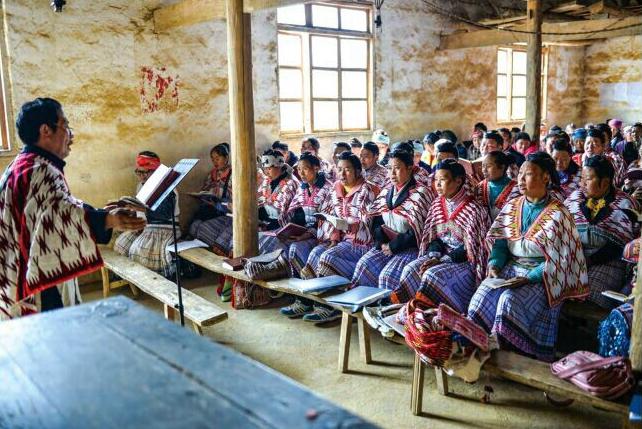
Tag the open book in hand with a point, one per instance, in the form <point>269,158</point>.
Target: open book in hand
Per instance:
<point>473,168</point>
<point>291,231</point>
<point>337,222</point>
<point>495,283</point>
<point>617,296</point>
<point>151,191</point>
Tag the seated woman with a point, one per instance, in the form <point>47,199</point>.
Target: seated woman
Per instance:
<point>606,221</point>
<point>595,144</point>
<point>497,188</point>
<point>536,248</point>
<point>147,247</point>
<point>373,171</point>
<point>351,196</point>
<point>312,145</point>
<point>567,169</point>
<point>453,252</point>
<point>210,224</point>
<point>275,194</point>
<point>398,215</point>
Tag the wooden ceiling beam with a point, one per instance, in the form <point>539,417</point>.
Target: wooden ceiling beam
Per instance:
<point>188,12</point>
<point>482,38</point>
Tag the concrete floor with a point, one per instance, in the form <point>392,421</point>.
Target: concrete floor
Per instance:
<point>379,392</point>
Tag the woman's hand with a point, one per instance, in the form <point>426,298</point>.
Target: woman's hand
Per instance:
<point>493,272</point>
<point>515,282</point>
<point>385,248</point>
<point>428,264</point>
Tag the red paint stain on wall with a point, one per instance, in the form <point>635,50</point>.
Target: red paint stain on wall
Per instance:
<point>158,90</point>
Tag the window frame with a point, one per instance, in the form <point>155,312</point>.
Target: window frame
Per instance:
<point>509,77</point>
<point>6,113</point>
<point>308,32</point>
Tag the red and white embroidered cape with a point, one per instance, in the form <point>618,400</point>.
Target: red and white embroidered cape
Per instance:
<point>377,174</point>
<point>482,194</point>
<point>352,207</point>
<point>414,208</point>
<point>554,233</point>
<point>313,199</point>
<point>45,237</point>
<point>616,226</point>
<point>282,195</point>
<point>469,223</point>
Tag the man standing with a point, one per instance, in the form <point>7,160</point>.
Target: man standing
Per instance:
<point>47,237</point>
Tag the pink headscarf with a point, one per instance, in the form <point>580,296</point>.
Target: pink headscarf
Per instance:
<point>615,123</point>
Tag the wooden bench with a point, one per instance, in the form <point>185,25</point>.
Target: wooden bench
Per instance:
<point>212,262</point>
<point>523,370</point>
<point>198,310</point>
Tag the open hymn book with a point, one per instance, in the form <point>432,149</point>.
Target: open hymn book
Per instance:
<point>335,221</point>
<point>159,184</point>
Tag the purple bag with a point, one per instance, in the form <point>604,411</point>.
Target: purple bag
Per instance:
<point>607,378</point>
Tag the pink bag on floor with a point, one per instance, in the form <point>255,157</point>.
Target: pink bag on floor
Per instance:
<point>607,378</point>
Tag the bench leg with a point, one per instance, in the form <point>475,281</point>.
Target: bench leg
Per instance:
<point>442,381</point>
<point>170,312</point>
<point>364,340</point>
<point>197,329</point>
<point>134,290</point>
<point>344,341</point>
<point>416,398</point>
<point>105,276</point>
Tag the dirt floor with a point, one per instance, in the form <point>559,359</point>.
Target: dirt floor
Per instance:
<point>379,392</point>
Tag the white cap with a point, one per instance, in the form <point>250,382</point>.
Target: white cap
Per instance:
<point>380,136</point>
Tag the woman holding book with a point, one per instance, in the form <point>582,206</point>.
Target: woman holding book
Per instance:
<point>452,254</point>
<point>397,216</point>
<point>606,220</point>
<point>211,223</point>
<point>275,194</point>
<point>497,188</point>
<point>536,263</point>
<point>344,241</point>
<point>148,247</point>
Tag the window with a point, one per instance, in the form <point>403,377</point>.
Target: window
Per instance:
<point>511,84</point>
<point>324,58</point>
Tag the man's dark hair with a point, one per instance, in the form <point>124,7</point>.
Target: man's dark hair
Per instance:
<point>372,147</point>
<point>344,145</point>
<point>35,113</point>
<point>278,145</point>
<point>149,153</point>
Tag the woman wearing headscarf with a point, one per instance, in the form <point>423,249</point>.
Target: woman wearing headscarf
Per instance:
<point>578,139</point>
<point>535,247</point>
<point>397,215</point>
<point>373,172</point>
<point>497,188</point>
<point>210,224</point>
<point>606,221</point>
<point>148,247</point>
<point>340,250</point>
<point>275,193</point>
<point>452,254</point>
<point>567,169</point>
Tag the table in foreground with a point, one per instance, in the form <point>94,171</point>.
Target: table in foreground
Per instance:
<point>115,364</point>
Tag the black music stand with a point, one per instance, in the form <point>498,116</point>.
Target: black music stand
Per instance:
<point>183,167</point>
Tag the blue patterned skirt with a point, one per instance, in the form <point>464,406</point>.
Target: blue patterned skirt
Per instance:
<point>449,283</point>
<point>338,260</point>
<point>521,317</point>
<point>299,253</point>
<point>602,277</point>
<point>270,243</point>
<point>215,232</point>
<point>409,281</point>
<point>376,269</point>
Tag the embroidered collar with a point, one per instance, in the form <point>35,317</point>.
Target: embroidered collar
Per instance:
<point>595,214</point>
<point>404,192</point>
<point>341,191</point>
<point>274,183</point>
<point>502,181</point>
<point>57,162</point>
<point>456,200</point>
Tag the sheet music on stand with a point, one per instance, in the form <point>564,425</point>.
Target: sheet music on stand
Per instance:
<point>183,167</point>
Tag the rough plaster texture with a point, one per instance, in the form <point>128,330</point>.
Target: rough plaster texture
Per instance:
<point>92,55</point>
<point>613,80</point>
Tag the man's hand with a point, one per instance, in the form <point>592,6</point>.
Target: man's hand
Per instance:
<point>124,220</point>
<point>493,272</point>
<point>428,264</point>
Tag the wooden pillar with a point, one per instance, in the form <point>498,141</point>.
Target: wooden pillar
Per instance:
<point>635,350</point>
<point>239,66</point>
<point>534,68</point>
